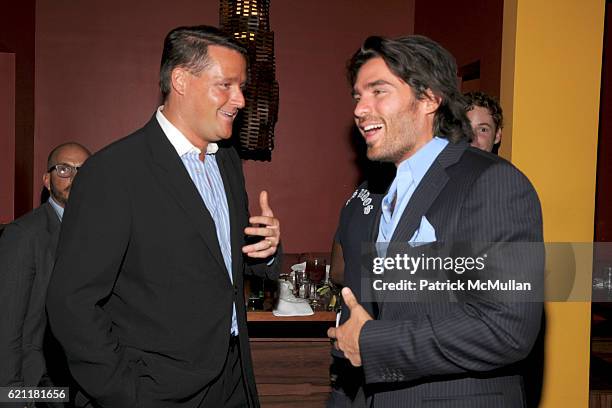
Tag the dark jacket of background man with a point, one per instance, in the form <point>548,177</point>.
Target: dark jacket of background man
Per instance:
<point>27,252</point>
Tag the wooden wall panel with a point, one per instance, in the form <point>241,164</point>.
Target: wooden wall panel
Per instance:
<point>292,373</point>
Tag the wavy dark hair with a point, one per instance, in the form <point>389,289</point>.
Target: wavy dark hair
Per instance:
<point>187,47</point>
<point>424,65</point>
<point>478,98</point>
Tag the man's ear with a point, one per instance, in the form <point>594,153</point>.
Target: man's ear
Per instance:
<point>47,180</point>
<point>431,101</point>
<point>179,78</point>
<point>498,136</point>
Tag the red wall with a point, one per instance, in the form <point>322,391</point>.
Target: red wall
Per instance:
<point>313,167</point>
<point>97,66</point>
<point>7,136</point>
<point>17,37</point>
<point>470,30</point>
<point>96,80</point>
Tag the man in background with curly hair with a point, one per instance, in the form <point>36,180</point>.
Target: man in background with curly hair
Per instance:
<point>487,119</point>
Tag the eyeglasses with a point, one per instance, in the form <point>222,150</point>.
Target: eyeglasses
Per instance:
<point>64,170</point>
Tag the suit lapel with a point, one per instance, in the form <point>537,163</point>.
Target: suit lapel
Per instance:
<point>53,227</point>
<point>424,196</point>
<point>427,191</point>
<point>170,172</point>
<point>376,222</point>
<point>52,230</point>
<point>233,198</point>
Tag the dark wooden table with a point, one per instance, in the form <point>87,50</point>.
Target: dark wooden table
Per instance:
<point>291,359</point>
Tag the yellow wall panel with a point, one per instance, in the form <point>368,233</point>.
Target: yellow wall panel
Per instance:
<point>551,71</point>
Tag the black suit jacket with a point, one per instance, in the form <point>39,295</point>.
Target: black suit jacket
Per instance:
<point>140,297</point>
<point>27,250</point>
<point>460,353</point>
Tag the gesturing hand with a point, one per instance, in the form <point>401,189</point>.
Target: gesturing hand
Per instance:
<point>269,229</point>
<point>347,334</point>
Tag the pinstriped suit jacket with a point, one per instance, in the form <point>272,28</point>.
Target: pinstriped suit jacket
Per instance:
<point>466,353</point>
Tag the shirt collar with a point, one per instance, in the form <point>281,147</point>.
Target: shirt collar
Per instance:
<point>59,210</point>
<point>181,144</point>
<point>418,164</point>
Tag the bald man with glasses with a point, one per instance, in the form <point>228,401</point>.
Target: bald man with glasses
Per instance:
<point>27,253</point>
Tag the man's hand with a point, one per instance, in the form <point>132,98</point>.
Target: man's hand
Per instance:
<point>347,334</point>
<point>269,229</point>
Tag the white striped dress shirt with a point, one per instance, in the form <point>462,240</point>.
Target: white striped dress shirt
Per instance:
<point>207,179</point>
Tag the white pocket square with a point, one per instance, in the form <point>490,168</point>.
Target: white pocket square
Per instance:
<point>425,234</point>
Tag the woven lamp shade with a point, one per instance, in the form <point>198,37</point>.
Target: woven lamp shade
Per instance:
<point>248,22</point>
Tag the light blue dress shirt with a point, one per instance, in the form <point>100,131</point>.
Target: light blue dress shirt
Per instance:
<point>59,210</point>
<point>207,179</point>
<point>409,174</point>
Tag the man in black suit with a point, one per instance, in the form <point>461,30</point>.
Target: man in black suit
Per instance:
<point>27,252</point>
<point>451,348</point>
<point>147,292</point>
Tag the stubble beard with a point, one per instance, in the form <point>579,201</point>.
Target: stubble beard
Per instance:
<point>60,196</point>
<point>396,144</point>
<point>399,138</point>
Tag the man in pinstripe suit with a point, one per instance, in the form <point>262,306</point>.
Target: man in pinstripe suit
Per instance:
<point>465,353</point>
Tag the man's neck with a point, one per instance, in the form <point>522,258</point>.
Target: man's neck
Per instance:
<point>174,116</point>
<point>57,207</point>
<point>418,145</point>
<point>56,202</point>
